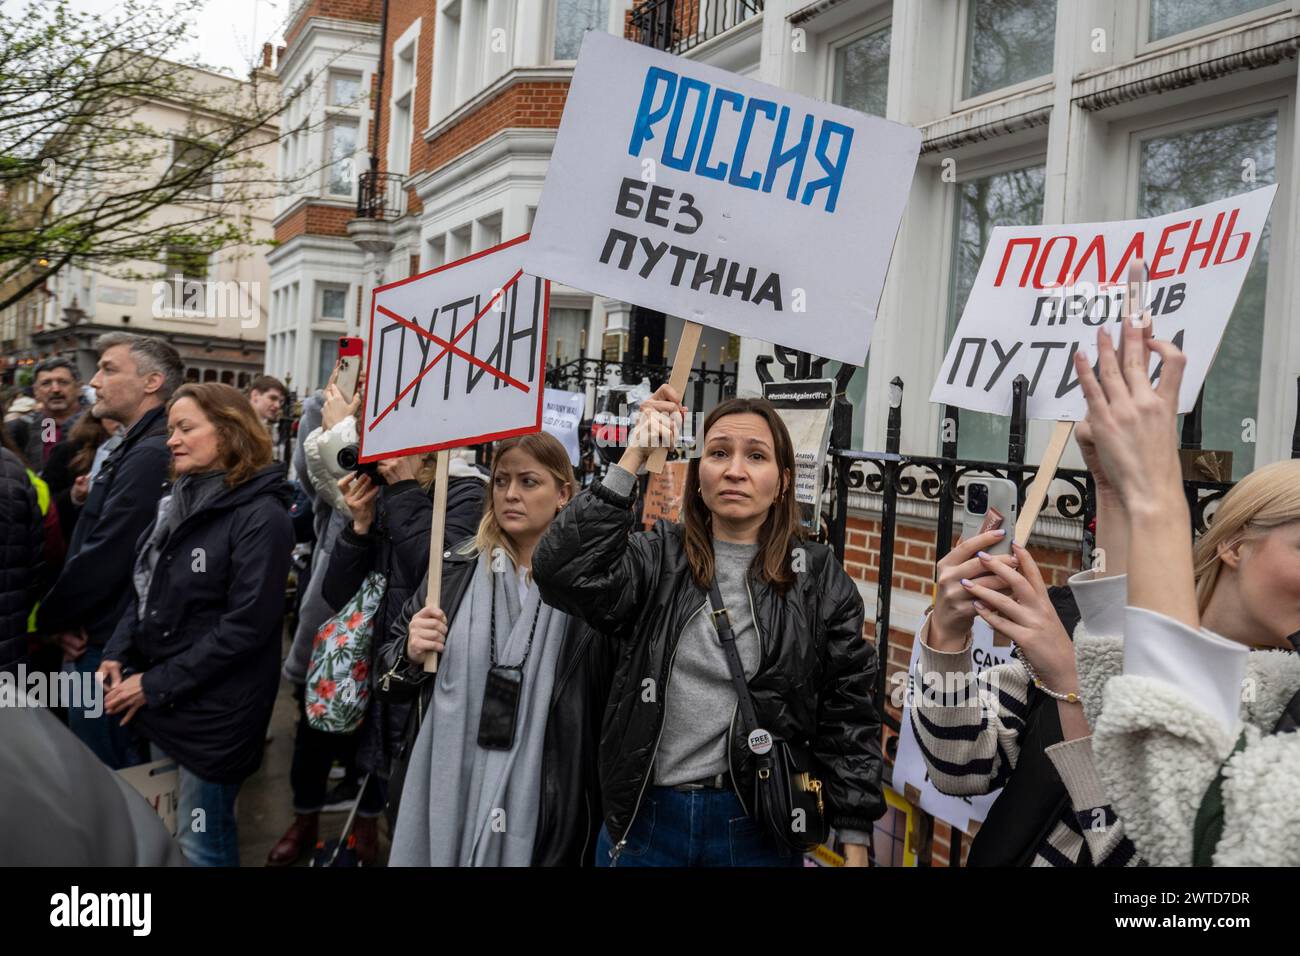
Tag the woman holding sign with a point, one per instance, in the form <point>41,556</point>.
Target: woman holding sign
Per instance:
<point>705,718</point>
<point>499,757</point>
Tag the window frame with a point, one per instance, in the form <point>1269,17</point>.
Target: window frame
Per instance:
<point>962,102</point>
<point>179,140</point>
<point>846,35</point>
<point>340,72</point>
<point>1145,44</point>
<point>552,31</point>
<point>331,123</point>
<point>409,40</point>
<point>321,289</point>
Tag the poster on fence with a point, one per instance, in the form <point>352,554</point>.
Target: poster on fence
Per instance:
<point>562,416</point>
<point>455,356</point>
<point>1042,291</point>
<point>909,764</point>
<point>805,407</point>
<point>728,202</point>
<point>663,494</point>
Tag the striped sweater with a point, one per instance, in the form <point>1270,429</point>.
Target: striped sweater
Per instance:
<point>969,731</point>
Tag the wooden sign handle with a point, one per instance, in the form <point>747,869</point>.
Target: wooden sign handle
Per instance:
<point>434,596</point>
<point>678,378</point>
<point>1037,493</point>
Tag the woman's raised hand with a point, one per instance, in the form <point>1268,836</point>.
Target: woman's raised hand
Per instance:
<point>954,609</point>
<point>659,422</point>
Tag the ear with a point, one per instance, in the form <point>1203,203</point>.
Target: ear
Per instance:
<point>1230,554</point>
<point>153,382</point>
<point>566,495</point>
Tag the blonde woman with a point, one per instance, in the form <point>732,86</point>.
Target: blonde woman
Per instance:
<point>499,758</point>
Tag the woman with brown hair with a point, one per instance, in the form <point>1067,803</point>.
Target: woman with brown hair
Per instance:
<point>194,662</point>
<point>679,754</point>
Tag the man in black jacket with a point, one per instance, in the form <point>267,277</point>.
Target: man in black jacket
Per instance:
<point>136,377</point>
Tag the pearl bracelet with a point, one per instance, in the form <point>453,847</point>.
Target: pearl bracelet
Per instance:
<point>1069,698</point>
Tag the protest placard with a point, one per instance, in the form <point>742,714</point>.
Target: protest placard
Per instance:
<point>909,764</point>
<point>561,417</point>
<point>1042,291</point>
<point>805,407</point>
<point>455,356</point>
<point>159,782</point>
<point>728,202</point>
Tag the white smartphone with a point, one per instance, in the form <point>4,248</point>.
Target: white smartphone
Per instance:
<point>351,352</point>
<point>990,504</point>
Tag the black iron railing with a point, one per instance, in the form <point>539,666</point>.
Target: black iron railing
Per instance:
<point>679,25</point>
<point>380,195</point>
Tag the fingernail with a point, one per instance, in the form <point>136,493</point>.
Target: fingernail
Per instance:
<point>1000,532</point>
<point>980,605</point>
<point>983,555</point>
<point>965,582</point>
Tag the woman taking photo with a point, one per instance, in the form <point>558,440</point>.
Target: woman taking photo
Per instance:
<point>194,662</point>
<point>499,758</point>
<point>676,770</point>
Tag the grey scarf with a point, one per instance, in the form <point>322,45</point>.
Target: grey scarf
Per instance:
<point>189,494</point>
<point>463,805</point>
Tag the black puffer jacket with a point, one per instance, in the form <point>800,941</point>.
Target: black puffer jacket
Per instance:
<point>209,642</point>
<point>22,540</point>
<point>569,817</point>
<point>813,685</point>
<point>398,548</point>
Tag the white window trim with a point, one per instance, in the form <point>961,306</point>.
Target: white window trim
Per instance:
<point>838,39</point>
<point>321,289</point>
<point>961,102</point>
<point>327,163</point>
<point>613,24</point>
<point>410,39</point>
<point>348,109</point>
<point>1142,28</point>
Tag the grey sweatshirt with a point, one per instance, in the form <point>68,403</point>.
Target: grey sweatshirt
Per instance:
<point>699,702</point>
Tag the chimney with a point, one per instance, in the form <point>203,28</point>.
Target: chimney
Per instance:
<point>266,56</point>
<point>279,55</point>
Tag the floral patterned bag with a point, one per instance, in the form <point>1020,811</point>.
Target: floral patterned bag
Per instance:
<point>338,684</point>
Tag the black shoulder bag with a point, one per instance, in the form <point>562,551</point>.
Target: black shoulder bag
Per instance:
<point>787,797</point>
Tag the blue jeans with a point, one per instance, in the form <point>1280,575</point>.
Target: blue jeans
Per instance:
<point>209,838</point>
<point>117,746</point>
<point>694,828</point>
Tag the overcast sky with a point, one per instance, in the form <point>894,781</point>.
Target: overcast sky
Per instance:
<point>227,34</point>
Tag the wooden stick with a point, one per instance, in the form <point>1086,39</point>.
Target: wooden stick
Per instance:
<point>434,596</point>
<point>680,374</point>
<point>1037,493</point>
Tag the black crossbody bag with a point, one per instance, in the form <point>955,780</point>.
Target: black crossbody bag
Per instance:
<point>787,797</point>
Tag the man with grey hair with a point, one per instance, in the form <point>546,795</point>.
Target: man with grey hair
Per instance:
<point>135,378</point>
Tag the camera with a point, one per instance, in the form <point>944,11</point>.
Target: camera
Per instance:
<point>347,459</point>
<point>977,497</point>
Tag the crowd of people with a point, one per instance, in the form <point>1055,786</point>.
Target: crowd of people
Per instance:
<point>585,693</point>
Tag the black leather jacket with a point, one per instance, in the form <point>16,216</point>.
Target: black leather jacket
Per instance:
<point>814,682</point>
<point>570,813</point>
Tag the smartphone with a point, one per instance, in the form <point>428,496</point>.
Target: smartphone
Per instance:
<point>351,352</point>
<point>990,504</point>
<point>500,713</point>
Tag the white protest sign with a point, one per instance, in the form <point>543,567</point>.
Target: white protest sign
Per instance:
<point>805,407</point>
<point>455,356</point>
<point>159,782</point>
<point>909,764</point>
<point>561,416</point>
<point>1042,291</point>
<point>724,201</point>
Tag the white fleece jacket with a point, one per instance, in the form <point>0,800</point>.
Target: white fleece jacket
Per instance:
<point>1172,717</point>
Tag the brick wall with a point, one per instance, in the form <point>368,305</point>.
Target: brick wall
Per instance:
<point>533,104</point>
<point>914,559</point>
<point>366,11</point>
<point>316,220</point>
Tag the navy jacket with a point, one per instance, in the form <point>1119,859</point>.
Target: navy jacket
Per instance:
<point>209,642</point>
<point>93,587</point>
